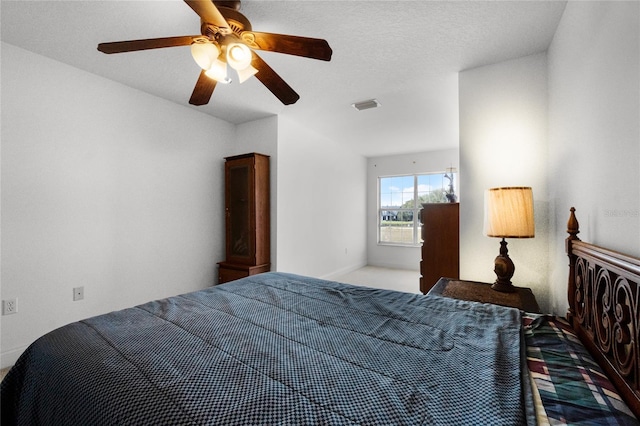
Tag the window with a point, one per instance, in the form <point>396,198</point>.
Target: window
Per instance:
<point>399,203</point>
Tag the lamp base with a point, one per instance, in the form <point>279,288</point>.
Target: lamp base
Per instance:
<point>504,269</point>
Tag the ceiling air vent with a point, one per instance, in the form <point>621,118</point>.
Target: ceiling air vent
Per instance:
<point>371,103</point>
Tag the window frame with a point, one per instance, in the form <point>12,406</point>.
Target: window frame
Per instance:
<point>415,210</point>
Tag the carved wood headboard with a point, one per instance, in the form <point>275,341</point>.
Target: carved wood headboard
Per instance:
<point>604,310</point>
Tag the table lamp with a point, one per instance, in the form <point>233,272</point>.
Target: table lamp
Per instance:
<point>508,213</point>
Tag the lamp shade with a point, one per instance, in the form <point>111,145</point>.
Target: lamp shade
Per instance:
<point>246,73</point>
<point>508,212</point>
<point>205,54</point>
<point>238,56</point>
<point>218,72</point>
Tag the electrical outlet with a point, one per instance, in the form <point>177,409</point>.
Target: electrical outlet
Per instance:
<point>78,293</point>
<point>10,306</point>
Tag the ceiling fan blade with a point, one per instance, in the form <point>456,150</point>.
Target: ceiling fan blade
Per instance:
<point>274,82</point>
<point>210,14</point>
<point>146,44</point>
<point>314,48</point>
<point>203,90</point>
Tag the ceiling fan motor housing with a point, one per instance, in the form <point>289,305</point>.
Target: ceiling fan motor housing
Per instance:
<point>236,20</point>
<point>228,4</point>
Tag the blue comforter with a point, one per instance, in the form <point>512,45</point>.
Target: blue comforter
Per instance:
<point>276,349</point>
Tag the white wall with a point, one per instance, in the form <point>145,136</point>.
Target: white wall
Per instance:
<point>503,142</point>
<point>321,199</point>
<point>594,133</point>
<point>104,187</point>
<point>421,162</point>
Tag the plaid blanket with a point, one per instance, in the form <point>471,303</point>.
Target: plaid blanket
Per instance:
<point>571,387</point>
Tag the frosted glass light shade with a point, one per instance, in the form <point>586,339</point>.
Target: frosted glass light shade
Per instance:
<point>218,72</point>
<point>205,54</point>
<point>246,73</point>
<point>238,56</point>
<point>508,212</point>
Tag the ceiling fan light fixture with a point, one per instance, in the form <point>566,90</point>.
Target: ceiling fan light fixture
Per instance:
<point>205,53</point>
<point>371,103</point>
<point>246,73</point>
<point>238,56</point>
<point>218,72</point>
<point>226,36</point>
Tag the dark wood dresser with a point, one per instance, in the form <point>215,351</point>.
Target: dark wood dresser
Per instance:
<point>441,243</point>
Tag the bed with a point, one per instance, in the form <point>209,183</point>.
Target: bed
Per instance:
<point>284,349</point>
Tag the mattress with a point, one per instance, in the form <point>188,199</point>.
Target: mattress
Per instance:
<point>278,348</point>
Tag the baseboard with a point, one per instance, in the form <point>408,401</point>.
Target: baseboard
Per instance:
<point>343,271</point>
<point>9,358</point>
<point>394,266</point>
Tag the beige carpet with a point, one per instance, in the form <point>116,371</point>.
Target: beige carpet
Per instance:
<point>387,278</point>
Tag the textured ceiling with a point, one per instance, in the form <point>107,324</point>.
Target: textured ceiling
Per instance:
<point>406,54</point>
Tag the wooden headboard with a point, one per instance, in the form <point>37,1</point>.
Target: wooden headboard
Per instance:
<point>604,310</point>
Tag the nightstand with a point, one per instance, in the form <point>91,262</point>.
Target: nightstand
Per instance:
<point>475,291</point>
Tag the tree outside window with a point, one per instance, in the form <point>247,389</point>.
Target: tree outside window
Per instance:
<point>399,202</point>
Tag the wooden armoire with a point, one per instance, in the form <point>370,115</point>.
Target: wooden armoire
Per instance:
<point>247,217</point>
<point>441,243</point>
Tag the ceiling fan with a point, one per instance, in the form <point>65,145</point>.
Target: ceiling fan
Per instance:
<point>227,39</point>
